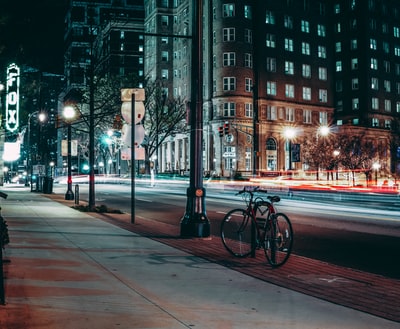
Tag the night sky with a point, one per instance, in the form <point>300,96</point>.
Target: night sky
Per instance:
<point>31,33</point>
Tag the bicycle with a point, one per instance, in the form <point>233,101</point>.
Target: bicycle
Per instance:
<point>258,226</point>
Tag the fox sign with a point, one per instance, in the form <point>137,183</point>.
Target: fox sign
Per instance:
<point>12,98</point>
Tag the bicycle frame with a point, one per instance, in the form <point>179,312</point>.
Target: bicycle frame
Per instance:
<point>271,230</point>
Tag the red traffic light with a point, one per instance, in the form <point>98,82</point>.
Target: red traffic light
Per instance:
<point>226,128</point>
<point>221,131</point>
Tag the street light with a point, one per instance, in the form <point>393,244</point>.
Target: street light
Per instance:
<point>289,134</point>
<point>41,116</point>
<point>69,115</point>
<point>324,131</point>
<point>336,154</point>
<point>376,166</point>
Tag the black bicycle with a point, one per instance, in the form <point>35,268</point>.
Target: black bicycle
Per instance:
<point>258,226</point>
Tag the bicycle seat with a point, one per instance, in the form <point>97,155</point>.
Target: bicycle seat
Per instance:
<point>274,198</point>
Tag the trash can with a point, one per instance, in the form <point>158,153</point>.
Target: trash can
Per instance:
<point>47,185</point>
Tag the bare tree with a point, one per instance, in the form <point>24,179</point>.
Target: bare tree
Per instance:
<point>318,154</point>
<point>165,116</point>
<point>359,153</point>
<point>107,106</point>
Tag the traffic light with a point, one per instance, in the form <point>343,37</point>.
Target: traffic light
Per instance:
<point>226,128</point>
<point>221,131</point>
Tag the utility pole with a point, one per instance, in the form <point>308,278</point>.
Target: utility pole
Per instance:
<point>92,198</point>
<point>195,222</point>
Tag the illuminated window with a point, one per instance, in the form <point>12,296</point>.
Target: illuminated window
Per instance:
<point>289,67</point>
<point>228,10</point>
<point>307,116</point>
<point>289,91</point>
<point>306,70</point>
<point>269,17</point>
<point>305,26</point>
<point>270,40</point>
<point>288,44</point>
<point>305,48</point>
<point>321,30</point>
<point>248,110</point>
<point>307,93</point>
<point>271,88</point>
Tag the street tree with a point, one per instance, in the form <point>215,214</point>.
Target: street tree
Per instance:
<point>165,116</point>
<point>318,153</point>
<point>107,107</point>
<point>358,153</point>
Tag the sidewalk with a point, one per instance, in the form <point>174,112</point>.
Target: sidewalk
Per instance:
<point>72,270</point>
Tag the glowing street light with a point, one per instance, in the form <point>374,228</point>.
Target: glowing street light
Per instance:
<point>324,131</point>
<point>290,134</point>
<point>376,166</point>
<point>69,114</point>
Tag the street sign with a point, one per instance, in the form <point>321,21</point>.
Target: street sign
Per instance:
<point>126,111</point>
<point>139,153</point>
<point>38,169</point>
<point>64,148</point>
<point>127,131</point>
<point>126,94</point>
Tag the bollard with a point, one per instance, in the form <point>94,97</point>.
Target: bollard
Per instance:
<point>77,194</point>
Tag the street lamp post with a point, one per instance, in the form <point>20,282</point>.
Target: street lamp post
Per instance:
<point>195,222</point>
<point>29,166</point>
<point>336,155</point>
<point>324,131</point>
<point>289,133</point>
<point>69,114</point>
<point>376,166</point>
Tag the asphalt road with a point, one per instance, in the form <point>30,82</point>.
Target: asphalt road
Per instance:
<point>353,236</point>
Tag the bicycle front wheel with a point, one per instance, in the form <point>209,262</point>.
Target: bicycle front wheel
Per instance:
<point>278,239</point>
<point>237,233</point>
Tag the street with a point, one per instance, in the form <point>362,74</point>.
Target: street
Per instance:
<point>350,236</point>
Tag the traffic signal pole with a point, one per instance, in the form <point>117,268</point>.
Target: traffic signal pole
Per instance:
<point>195,222</point>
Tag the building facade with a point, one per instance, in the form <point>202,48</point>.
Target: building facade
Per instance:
<point>102,39</point>
<point>276,67</point>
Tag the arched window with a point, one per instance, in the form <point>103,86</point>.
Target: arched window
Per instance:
<point>271,144</point>
<point>271,154</point>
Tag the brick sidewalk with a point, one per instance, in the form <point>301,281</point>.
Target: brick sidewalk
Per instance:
<point>358,290</point>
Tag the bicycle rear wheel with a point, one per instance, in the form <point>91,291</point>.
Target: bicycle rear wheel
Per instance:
<point>237,229</point>
<point>278,239</point>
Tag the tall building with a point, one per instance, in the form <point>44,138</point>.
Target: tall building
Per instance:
<point>119,23</point>
<point>102,39</point>
<point>272,67</point>
<point>366,40</point>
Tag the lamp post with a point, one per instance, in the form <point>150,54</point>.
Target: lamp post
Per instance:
<point>324,131</point>
<point>336,154</point>
<point>376,166</point>
<point>195,222</point>
<point>69,114</point>
<point>41,116</point>
<point>289,134</point>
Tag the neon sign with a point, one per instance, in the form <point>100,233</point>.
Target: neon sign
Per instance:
<point>12,98</point>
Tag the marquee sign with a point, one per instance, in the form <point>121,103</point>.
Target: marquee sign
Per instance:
<point>12,98</point>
